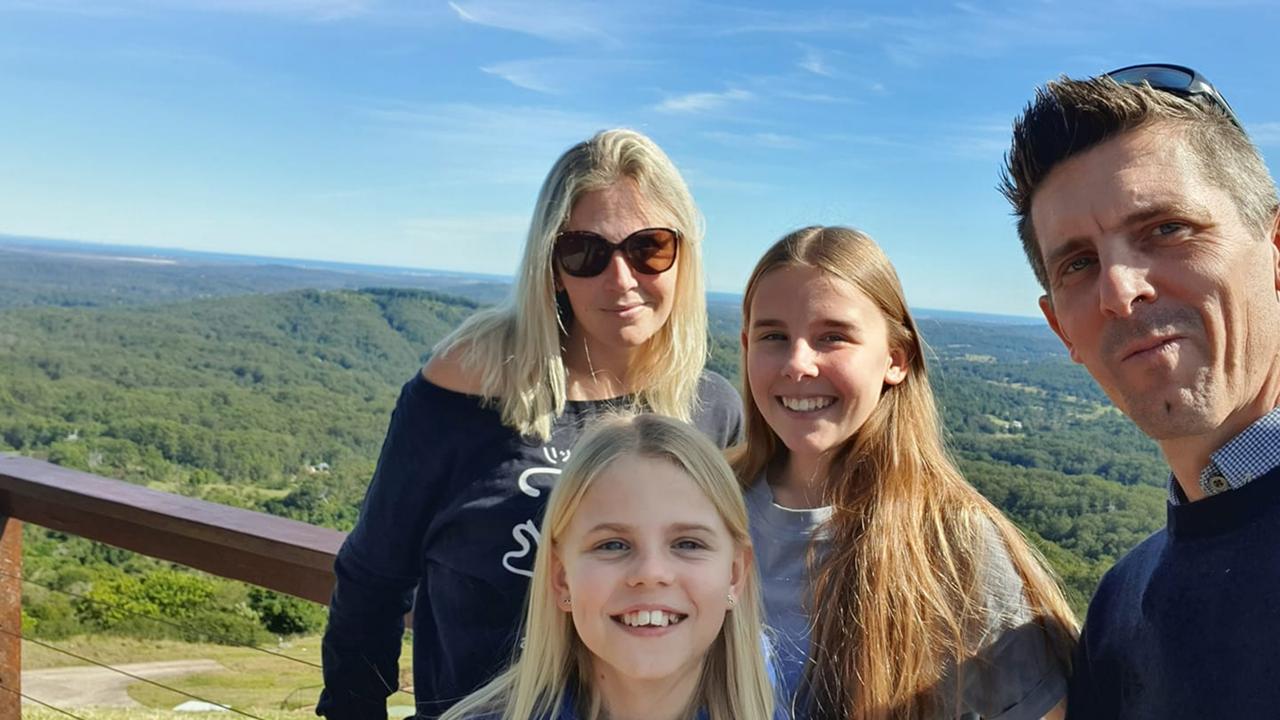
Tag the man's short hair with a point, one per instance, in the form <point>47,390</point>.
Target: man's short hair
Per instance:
<point>1068,117</point>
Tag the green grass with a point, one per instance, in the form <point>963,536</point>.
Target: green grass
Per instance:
<point>39,713</point>
<point>258,683</point>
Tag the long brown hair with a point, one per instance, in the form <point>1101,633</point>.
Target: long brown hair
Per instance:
<point>901,586</point>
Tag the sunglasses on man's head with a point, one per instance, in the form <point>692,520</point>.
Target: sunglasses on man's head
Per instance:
<point>1177,79</point>
<point>582,253</point>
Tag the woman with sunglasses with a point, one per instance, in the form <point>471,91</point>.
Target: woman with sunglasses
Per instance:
<point>608,312</point>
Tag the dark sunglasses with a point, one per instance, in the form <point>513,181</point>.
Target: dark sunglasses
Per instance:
<point>582,253</point>
<point>1177,79</point>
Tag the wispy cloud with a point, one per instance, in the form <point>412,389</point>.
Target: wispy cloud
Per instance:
<point>769,140</point>
<point>559,75</point>
<point>1267,133</point>
<point>560,20</point>
<point>774,22</point>
<point>492,124</point>
<point>990,30</point>
<point>527,74</point>
<point>986,139</point>
<point>699,181</point>
<point>914,39</point>
<point>486,145</point>
<point>316,10</point>
<point>820,98</point>
<point>815,63</point>
<point>701,102</point>
<point>871,140</point>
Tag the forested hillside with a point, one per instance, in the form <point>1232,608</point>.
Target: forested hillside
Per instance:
<point>274,402</point>
<point>279,402</point>
<point>1036,435</point>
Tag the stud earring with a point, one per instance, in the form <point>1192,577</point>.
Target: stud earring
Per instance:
<point>731,599</point>
<point>567,602</point>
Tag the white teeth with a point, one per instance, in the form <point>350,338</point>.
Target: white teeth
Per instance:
<point>647,618</point>
<point>806,404</point>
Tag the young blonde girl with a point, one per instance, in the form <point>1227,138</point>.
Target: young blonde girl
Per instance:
<point>630,480</point>
<point>912,596</point>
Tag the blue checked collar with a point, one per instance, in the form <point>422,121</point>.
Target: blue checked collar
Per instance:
<point>1251,454</point>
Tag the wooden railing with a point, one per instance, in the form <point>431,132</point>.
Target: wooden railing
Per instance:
<point>275,553</point>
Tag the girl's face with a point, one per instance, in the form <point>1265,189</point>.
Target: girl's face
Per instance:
<point>818,357</point>
<point>647,563</point>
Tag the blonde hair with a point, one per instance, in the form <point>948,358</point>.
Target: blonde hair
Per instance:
<point>734,682</point>
<point>515,346</point>
<point>897,600</point>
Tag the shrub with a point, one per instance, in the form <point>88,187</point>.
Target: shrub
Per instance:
<point>285,614</point>
<point>49,616</point>
<point>224,627</point>
<point>116,601</point>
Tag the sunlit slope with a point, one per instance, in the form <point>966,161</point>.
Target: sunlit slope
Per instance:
<point>279,402</point>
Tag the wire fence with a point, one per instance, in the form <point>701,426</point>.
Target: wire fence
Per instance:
<point>181,627</point>
<point>42,703</point>
<point>285,703</point>
<point>128,674</point>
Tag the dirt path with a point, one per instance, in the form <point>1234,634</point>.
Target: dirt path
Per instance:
<point>93,686</point>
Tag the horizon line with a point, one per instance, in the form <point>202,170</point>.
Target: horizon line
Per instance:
<point>101,247</point>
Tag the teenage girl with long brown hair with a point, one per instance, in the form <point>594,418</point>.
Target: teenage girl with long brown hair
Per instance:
<point>895,589</point>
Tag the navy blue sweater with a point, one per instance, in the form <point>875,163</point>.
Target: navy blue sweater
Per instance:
<point>1187,625</point>
<point>454,509</point>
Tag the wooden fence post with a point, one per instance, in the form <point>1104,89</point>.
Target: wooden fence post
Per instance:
<point>10,618</point>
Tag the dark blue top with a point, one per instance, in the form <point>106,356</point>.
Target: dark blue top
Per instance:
<point>454,509</point>
<point>1187,625</point>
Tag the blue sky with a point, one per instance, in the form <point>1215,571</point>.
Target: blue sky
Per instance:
<point>417,133</point>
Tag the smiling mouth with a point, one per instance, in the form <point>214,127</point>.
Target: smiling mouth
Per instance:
<point>806,404</point>
<point>649,618</point>
<point>624,308</point>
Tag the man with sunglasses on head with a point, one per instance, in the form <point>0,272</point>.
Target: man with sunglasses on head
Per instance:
<point>1151,222</point>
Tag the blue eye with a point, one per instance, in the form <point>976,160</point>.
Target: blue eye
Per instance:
<point>611,546</point>
<point>1076,265</point>
<point>688,544</point>
<point>1165,230</point>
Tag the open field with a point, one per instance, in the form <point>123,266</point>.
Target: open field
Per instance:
<point>280,685</point>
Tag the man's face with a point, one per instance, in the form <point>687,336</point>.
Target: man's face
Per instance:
<point>1157,286</point>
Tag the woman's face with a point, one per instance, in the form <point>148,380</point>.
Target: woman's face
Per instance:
<point>648,564</point>
<point>818,357</point>
<point>619,309</point>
